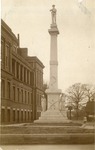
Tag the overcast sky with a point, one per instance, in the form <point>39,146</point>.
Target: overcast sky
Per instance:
<point>76,41</point>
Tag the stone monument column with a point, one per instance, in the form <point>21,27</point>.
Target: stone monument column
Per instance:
<point>53,58</point>
<point>53,114</point>
<point>53,92</point>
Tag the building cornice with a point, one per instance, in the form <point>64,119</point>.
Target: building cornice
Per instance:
<point>5,27</point>
<point>36,60</point>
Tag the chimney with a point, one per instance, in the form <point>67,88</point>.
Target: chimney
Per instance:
<point>22,52</point>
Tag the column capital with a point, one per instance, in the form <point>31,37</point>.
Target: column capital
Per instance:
<point>53,30</point>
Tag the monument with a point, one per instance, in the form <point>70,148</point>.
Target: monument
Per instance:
<point>53,113</point>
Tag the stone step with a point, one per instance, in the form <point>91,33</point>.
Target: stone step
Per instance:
<point>51,117</point>
<point>46,139</point>
<point>52,121</point>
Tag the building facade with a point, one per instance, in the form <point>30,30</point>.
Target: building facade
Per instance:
<point>21,80</point>
<point>38,90</point>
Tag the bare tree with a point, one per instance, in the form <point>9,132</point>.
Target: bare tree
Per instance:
<point>89,91</point>
<point>76,96</point>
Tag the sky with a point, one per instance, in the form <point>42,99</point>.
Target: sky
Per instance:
<point>76,41</point>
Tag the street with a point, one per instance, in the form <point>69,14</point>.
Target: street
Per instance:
<point>50,147</point>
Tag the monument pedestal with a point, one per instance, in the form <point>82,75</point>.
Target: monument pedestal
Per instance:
<point>53,113</point>
<point>52,116</point>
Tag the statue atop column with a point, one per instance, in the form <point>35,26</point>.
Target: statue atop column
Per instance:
<point>53,14</point>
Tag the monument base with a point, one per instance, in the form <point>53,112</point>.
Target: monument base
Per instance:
<point>53,114</point>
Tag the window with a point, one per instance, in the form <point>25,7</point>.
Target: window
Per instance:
<point>13,115</point>
<point>31,98</point>
<point>3,115</point>
<point>7,59</point>
<point>21,95</point>
<point>28,115</point>
<point>28,98</point>
<point>38,99</point>
<point>21,115</point>
<point>13,67</point>
<point>8,90</point>
<point>21,72</point>
<point>17,70</point>
<point>17,115</point>
<point>3,53</point>
<point>3,88</point>
<point>27,76</point>
<point>32,78</point>
<point>24,75</point>
<point>8,115</point>
<point>18,94</point>
<point>25,97</point>
<point>31,116</point>
<point>25,116</point>
<point>13,92</point>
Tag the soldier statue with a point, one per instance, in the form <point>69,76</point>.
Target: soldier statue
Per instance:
<point>53,13</point>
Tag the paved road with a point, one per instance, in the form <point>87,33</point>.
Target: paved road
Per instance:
<point>49,147</point>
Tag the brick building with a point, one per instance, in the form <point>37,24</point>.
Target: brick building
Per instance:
<point>21,80</point>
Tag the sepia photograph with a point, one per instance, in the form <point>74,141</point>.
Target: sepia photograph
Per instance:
<point>47,75</point>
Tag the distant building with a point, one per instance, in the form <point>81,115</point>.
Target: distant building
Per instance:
<point>21,80</point>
